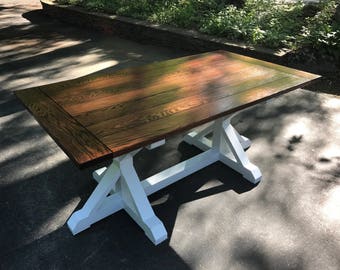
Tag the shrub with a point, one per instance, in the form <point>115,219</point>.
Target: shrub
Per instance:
<point>305,29</point>
<point>262,22</point>
<point>320,36</point>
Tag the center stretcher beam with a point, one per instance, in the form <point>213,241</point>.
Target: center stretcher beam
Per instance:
<point>119,186</point>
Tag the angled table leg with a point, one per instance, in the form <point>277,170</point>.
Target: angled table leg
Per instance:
<point>90,213</point>
<point>119,186</point>
<point>137,204</point>
<point>199,139</point>
<point>230,145</point>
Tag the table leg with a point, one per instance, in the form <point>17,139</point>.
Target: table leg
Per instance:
<point>121,181</point>
<point>119,186</point>
<point>229,143</point>
<point>137,204</point>
<point>90,213</point>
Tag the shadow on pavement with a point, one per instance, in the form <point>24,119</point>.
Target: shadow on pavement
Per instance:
<point>214,218</point>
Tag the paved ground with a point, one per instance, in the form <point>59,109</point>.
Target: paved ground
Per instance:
<point>215,219</point>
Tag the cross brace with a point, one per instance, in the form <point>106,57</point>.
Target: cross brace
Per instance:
<point>119,186</point>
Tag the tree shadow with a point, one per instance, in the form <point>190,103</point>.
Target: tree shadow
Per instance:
<point>168,201</point>
<point>50,54</point>
<point>40,187</point>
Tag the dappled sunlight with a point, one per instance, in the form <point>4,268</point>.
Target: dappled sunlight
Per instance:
<point>330,151</point>
<point>297,126</point>
<point>43,161</point>
<point>7,21</point>
<point>331,207</point>
<point>57,70</point>
<point>57,219</point>
<point>293,213</point>
<point>214,218</point>
<point>85,64</point>
<point>334,105</point>
<point>209,184</point>
<point>269,226</point>
<point>7,120</point>
<point>24,142</point>
<point>260,149</point>
<point>13,152</point>
<point>23,48</point>
<point>196,229</point>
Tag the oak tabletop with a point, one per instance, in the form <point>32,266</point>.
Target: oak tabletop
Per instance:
<point>103,116</point>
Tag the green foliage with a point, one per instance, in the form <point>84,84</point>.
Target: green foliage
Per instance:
<point>259,22</point>
<point>267,23</point>
<point>320,36</point>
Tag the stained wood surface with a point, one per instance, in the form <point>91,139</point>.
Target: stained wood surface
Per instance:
<point>76,141</point>
<point>134,107</point>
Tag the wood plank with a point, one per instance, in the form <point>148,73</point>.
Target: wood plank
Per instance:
<point>76,141</point>
<point>100,116</point>
<point>96,84</point>
<point>273,66</point>
<point>138,82</point>
<point>167,94</point>
<point>149,113</point>
<point>131,83</point>
<point>150,129</point>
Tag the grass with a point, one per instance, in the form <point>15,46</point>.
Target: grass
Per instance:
<point>310,31</point>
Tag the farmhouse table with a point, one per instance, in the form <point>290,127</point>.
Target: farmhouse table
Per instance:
<point>113,116</point>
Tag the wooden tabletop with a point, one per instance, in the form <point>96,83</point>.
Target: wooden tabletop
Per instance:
<point>102,116</point>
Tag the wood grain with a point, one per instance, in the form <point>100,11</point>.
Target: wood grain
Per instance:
<point>109,115</point>
<point>140,82</point>
<point>146,114</point>
<point>167,94</point>
<point>151,128</point>
<point>76,141</point>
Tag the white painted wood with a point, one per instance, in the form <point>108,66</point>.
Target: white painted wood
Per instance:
<point>83,218</point>
<point>216,143</point>
<point>179,171</point>
<point>244,166</point>
<point>230,145</point>
<point>110,205</point>
<point>119,186</point>
<point>132,153</point>
<point>98,173</point>
<point>137,204</point>
<point>199,140</point>
<point>244,141</point>
<point>199,135</point>
<point>203,143</point>
<point>155,144</point>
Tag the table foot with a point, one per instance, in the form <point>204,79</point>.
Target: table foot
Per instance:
<point>121,181</point>
<point>137,204</point>
<point>90,213</point>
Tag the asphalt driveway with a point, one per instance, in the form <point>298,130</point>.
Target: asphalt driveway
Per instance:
<point>215,219</point>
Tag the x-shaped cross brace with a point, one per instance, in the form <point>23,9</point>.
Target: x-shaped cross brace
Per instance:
<point>119,186</point>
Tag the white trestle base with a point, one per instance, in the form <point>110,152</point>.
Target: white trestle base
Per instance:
<point>119,186</point>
